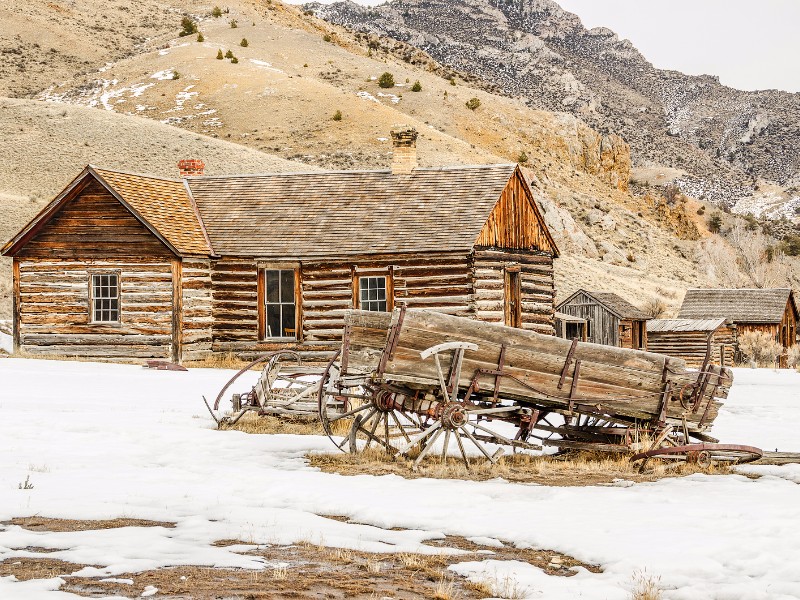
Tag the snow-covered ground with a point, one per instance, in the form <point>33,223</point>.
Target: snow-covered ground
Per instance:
<point>104,441</point>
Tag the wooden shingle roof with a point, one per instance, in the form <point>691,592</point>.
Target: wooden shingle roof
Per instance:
<point>738,305</point>
<point>616,304</point>
<point>684,325</point>
<point>348,212</point>
<point>165,204</point>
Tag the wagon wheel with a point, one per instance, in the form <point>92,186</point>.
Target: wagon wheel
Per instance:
<point>469,423</point>
<point>704,455</point>
<point>345,405</point>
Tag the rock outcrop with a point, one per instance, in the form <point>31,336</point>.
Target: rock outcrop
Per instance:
<point>724,139</point>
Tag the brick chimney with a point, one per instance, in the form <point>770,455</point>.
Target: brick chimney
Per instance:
<point>189,167</point>
<point>404,153</point>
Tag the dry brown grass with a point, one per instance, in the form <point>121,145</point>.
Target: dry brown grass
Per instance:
<point>253,423</point>
<point>646,587</point>
<point>574,469</point>
<point>226,360</point>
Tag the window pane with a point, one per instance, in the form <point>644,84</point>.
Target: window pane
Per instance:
<point>288,321</point>
<point>287,286</point>
<point>273,286</point>
<point>274,320</point>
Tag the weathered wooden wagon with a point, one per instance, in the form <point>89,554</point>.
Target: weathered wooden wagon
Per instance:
<point>413,381</point>
<point>420,375</point>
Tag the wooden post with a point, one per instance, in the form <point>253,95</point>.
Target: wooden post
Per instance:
<point>16,308</point>
<point>177,310</point>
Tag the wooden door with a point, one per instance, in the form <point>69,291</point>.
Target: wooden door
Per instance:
<point>513,298</point>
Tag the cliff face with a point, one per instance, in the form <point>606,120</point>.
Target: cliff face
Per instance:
<point>724,140</point>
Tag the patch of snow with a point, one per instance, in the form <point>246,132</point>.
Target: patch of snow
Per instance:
<point>163,52</point>
<point>6,342</point>
<point>515,579</point>
<point>150,590</point>
<point>486,541</point>
<point>137,89</point>
<point>392,97</point>
<point>105,457</point>
<point>383,139</point>
<point>367,96</point>
<point>163,75</point>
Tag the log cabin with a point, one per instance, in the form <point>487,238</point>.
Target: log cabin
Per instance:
<point>773,311</point>
<point>603,318</point>
<point>124,266</point>
<point>693,339</point>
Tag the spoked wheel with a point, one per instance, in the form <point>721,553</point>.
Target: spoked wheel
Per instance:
<point>704,455</point>
<point>463,427</point>
<point>347,408</point>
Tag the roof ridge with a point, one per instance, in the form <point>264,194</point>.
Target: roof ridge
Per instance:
<point>145,175</point>
<point>351,171</point>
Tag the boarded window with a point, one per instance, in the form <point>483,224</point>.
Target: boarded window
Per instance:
<point>280,303</point>
<point>372,294</point>
<point>105,298</point>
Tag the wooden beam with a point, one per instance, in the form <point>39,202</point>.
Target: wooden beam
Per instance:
<point>16,308</point>
<point>177,310</point>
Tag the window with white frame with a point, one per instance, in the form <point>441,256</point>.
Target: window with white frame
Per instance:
<point>279,303</point>
<point>105,298</point>
<point>372,293</point>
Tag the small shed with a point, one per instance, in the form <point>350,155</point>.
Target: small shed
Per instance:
<point>690,339</point>
<point>609,319</point>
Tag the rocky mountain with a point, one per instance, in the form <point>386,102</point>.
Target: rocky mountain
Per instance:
<point>725,145</point>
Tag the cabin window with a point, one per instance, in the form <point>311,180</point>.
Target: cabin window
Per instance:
<point>280,304</point>
<point>105,298</point>
<point>372,294</point>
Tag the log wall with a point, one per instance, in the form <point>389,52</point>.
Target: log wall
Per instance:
<point>691,346</point>
<point>536,285</point>
<point>438,281</point>
<point>54,310</point>
<point>196,314</point>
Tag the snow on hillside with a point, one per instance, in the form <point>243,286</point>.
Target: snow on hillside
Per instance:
<point>103,441</point>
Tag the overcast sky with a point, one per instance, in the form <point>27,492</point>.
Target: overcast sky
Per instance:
<point>750,44</point>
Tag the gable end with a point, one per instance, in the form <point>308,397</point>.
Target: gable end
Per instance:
<point>515,221</point>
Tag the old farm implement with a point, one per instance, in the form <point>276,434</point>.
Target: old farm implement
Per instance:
<point>417,382</point>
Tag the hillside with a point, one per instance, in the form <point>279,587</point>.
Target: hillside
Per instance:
<point>279,99</point>
<point>726,145</point>
<point>31,172</point>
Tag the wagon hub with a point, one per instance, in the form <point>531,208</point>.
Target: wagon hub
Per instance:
<point>453,415</point>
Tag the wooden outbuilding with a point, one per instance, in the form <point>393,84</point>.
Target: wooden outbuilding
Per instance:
<point>122,265</point>
<point>609,319</point>
<point>772,310</point>
<point>691,339</point>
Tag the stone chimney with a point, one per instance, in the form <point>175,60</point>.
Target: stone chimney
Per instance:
<point>404,153</point>
<point>189,167</point>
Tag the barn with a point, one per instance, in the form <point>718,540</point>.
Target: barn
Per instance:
<point>693,340</point>
<point>771,310</point>
<point>122,265</point>
<point>603,318</point>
